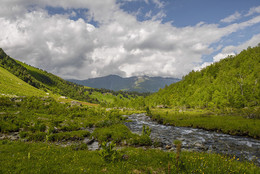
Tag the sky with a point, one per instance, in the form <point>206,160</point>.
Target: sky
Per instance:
<point>81,39</point>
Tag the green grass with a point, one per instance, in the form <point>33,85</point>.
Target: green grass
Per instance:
<point>230,124</point>
<point>109,98</point>
<point>12,85</point>
<point>31,113</point>
<point>65,136</point>
<point>19,157</point>
<point>117,132</point>
<point>41,119</point>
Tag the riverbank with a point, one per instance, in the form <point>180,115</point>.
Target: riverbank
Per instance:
<point>228,124</point>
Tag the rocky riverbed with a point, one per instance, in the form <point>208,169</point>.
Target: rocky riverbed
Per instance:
<point>197,139</point>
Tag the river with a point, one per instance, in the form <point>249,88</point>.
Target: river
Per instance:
<point>197,139</point>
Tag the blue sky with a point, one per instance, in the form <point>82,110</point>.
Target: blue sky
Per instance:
<point>91,38</point>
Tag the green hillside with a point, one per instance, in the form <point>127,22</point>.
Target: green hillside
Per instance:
<point>50,83</point>
<point>43,80</point>
<point>233,82</point>
<point>12,85</point>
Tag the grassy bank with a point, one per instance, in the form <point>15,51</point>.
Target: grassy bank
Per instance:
<point>19,157</point>
<point>234,125</point>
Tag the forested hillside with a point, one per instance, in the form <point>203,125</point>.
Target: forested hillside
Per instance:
<point>50,83</point>
<point>233,82</point>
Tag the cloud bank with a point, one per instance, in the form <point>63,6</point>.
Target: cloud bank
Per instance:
<point>118,44</point>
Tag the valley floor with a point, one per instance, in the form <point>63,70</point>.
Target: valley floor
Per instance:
<point>43,125</point>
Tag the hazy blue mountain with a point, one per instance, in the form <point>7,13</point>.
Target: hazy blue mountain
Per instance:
<point>116,83</point>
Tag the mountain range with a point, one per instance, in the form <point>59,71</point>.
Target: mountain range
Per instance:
<point>136,83</point>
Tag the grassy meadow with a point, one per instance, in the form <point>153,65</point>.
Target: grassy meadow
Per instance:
<point>40,157</point>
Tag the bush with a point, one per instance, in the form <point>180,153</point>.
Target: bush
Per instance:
<point>116,133</point>
<point>107,152</point>
<point>146,130</point>
<point>143,140</point>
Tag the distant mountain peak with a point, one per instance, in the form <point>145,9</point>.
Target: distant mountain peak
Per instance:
<point>136,83</point>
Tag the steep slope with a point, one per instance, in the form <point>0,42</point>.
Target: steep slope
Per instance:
<point>12,85</point>
<point>43,80</point>
<point>138,84</point>
<point>231,82</point>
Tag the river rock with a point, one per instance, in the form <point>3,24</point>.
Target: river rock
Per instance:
<point>2,136</point>
<point>168,147</point>
<point>181,139</point>
<point>197,144</point>
<point>88,141</point>
<point>93,146</point>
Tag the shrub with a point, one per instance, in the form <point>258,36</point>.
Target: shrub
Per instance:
<point>116,133</point>
<point>108,153</point>
<point>142,140</point>
<point>146,130</point>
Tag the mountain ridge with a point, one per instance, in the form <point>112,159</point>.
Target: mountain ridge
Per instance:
<point>134,83</point>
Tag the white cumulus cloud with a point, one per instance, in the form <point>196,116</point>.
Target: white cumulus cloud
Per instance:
<point>119,44</point>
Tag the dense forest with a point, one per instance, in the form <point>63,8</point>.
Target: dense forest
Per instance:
<point>232,82</point>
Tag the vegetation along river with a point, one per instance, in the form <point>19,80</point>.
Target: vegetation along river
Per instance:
<point>197,139</point>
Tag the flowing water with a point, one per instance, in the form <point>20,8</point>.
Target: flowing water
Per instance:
<point>197,139</point>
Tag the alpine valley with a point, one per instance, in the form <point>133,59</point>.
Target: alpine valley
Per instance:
<point>208,122</point>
